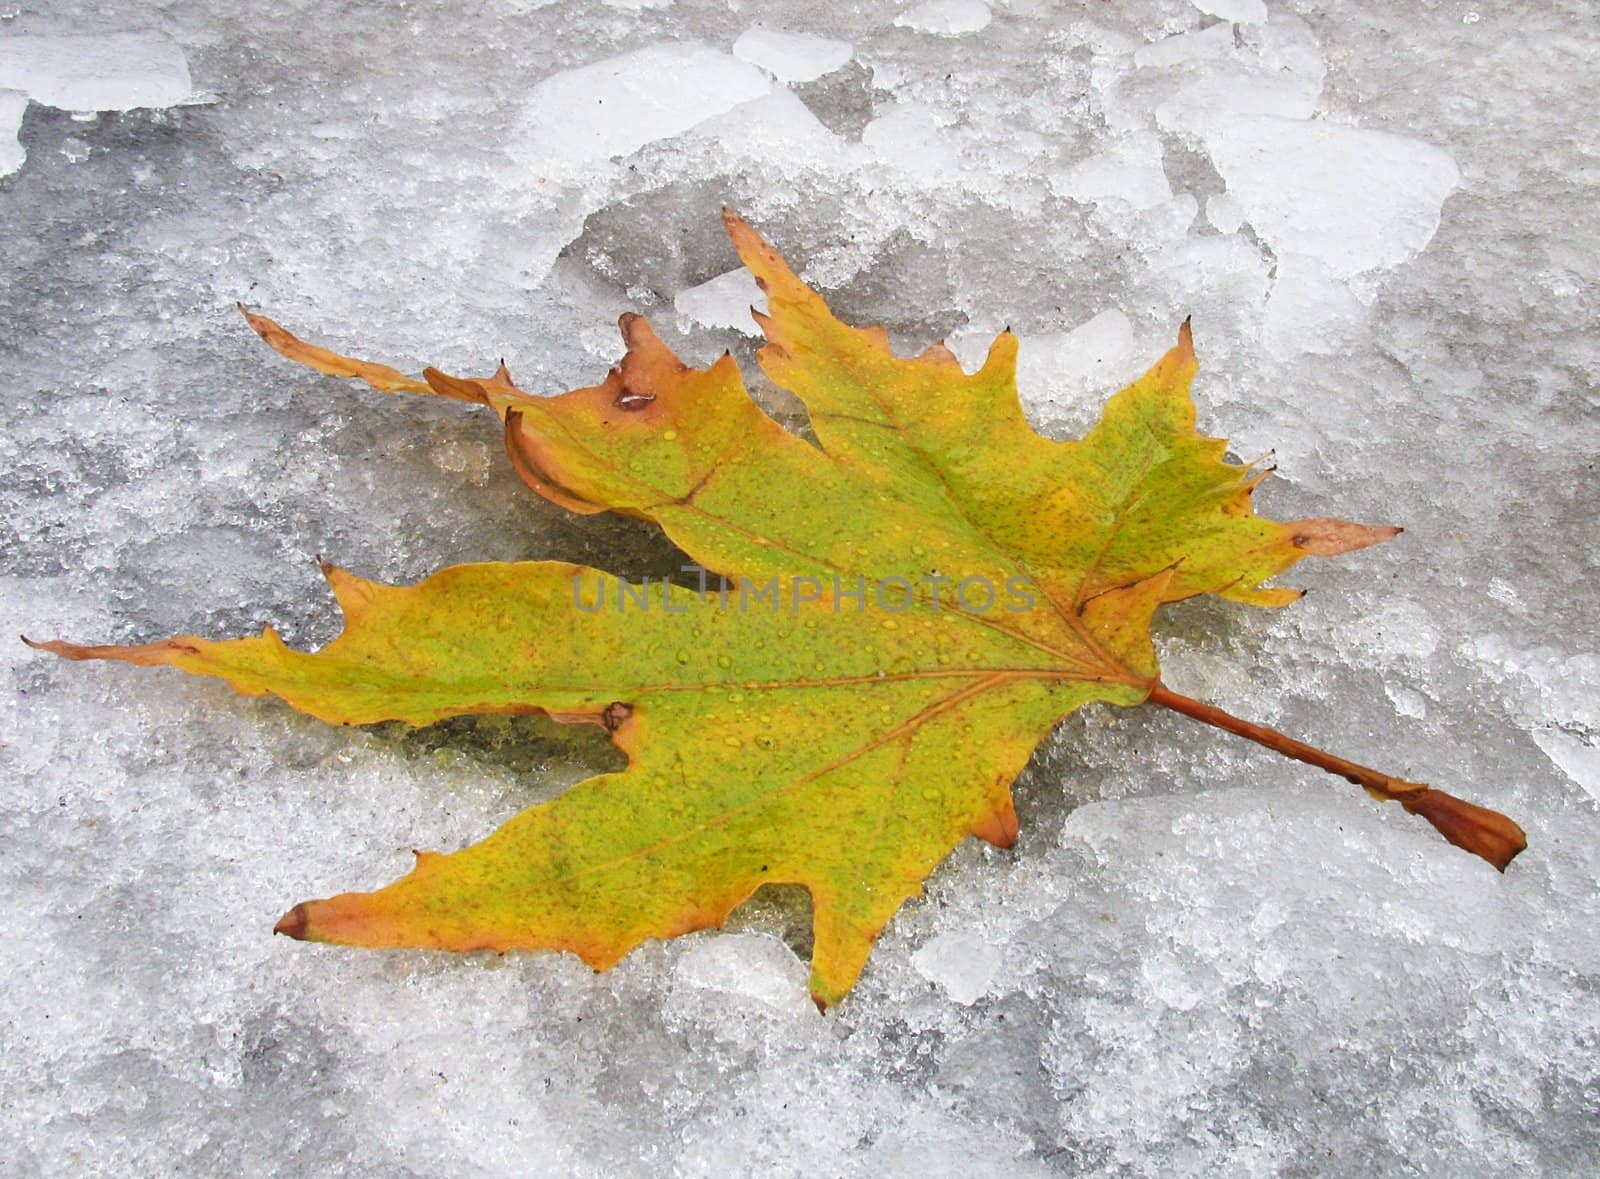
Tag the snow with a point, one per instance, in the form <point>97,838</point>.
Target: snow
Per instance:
<point>1199,959</point>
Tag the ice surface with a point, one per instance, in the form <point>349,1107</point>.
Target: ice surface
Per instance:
<point>1130,172</point>
<point>96,71</point>
<point>616,106</point>
<point>946,18</point>
<point>87,72</point>
<point>962,964</point>
<point>791,57</point>
<point>1349,198</point>
<point>1062,376</point>
<point>1199,959</point>
<point>724,302</point>
<point>1250,12</point>
<point>12,105</point>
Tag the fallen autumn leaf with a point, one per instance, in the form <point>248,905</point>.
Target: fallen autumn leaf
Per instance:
<point>900,613</point>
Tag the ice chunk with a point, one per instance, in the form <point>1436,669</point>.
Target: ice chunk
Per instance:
<point>946,18</point>
<point>1238,92</point>
<point>1272,69</point>
<point>1222,280</point>
<point>910,137</point>
<point>1350,198</point>
<point>777,125</point>
<point>791,57</point>
<point>1311,309</point>
<point>12,104</point>
<point>753,965</point>
<point>1577,756</point>
<point>581,117</point>
<point>1556,693</point>
<point>964,966</point>
<point>1224,213</point>
<point>1130,171</point>
<point>1203,44</point>
<point>724,302</point>
<point>1244,12</point>
<point>1056,370</point>
<point>96,72</point>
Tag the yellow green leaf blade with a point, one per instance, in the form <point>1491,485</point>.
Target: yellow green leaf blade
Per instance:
<point>858,816</point>
<point>1142,491</point>
<point>847,751</point>
<point>567,640</point>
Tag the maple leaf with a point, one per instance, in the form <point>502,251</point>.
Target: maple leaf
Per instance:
<point>901,612</point>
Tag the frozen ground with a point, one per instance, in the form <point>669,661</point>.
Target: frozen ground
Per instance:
<point>1198,959</point>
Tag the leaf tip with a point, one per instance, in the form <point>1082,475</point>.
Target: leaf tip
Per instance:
<point>62,648</point>
<point>294,923</point>
<point>998,827</point>
<point>263,327</point>
<point>1327,537</point>
<point>746,241</point>
<point>1185,347</point>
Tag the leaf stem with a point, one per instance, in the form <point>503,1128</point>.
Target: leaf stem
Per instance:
<point>1476,829</point>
